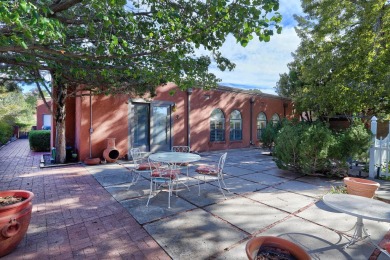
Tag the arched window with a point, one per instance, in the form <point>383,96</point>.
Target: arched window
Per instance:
<point>235,126</point>
<point>217,126</point>
<point>261,124</point>
<point>275,119</point>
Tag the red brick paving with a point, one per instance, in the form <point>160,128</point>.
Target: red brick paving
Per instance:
<point>73,216</point>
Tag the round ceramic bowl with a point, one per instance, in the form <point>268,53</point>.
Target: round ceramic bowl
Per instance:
<point>253,245</point>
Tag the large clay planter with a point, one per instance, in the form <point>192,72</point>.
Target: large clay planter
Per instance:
<point>14,220</point>
<point>253,245</point>
<point>361,187</point>
<point>111,154</point>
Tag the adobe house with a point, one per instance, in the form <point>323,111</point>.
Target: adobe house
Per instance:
<point>43,115</point>
<point>223,118</point>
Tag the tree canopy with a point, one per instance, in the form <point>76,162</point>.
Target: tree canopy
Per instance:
<point>341,64</point>
<point>119,46</point>
<point>103,44</point>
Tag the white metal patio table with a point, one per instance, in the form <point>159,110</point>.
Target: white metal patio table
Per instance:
<point>361,208</point>
<point>175,158</point>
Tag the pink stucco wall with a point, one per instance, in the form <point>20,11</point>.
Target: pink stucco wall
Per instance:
<point>110,118</point>
<point>42,109</point>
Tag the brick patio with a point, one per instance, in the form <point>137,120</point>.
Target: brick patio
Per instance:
<point>73,216</point>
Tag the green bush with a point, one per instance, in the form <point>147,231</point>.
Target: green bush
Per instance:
<point>269,133</point>
<point>39,140</point>
<point>312,148</point>
<point>303,147</point>
<point>353,143</point>
<point>6,132</point>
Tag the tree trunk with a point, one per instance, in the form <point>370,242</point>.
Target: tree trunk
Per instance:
<point>59,94</point>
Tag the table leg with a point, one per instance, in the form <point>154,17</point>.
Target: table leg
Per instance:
<point>358,233</point>
<point>358,236</point>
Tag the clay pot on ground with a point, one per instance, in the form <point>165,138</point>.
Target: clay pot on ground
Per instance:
<point>253,246</point>
<point>361,187</point>
<point>111,154</point>
<point>14,220</point>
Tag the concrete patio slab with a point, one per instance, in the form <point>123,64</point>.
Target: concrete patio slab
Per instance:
<point>304,188</point>
<point>246,214</point>
<point>264,179</point>
<point>198,235</point>
<point>209,194</point>
<point>157,209</point>
<point>241,186</point>
<point>236,171</point>
<point>282,199</point>
<point>282,173</point>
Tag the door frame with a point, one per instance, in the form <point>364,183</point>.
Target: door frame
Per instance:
<point>130,116</point>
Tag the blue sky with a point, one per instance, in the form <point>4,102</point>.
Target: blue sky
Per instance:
<point>259,64</point>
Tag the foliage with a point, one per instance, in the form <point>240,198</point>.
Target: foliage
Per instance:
<point>118,46</point>
<point>312,148</point>
<point>303,147</point>
<point>338,189</point>
<point>39,140</point>
<point>269,133</point>
<point>341,64</point>
<point>353,143</point>
<point>5,132</point>
<point>17,108</point>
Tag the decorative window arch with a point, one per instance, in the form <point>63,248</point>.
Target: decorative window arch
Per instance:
<point>235,125</point>
<point>261,123</point>
<point>275,119</point>
<point>217,125</point>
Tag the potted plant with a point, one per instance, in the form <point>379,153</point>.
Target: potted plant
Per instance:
<point>270,247</point>
<point>74,156</point>
<point>15,215</point>
<point>361,187</point>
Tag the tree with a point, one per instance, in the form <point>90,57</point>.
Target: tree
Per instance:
<point>16,108</point>
<point>341,65</point>
<point>118,46</point>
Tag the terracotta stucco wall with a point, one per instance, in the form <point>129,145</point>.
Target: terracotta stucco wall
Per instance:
<point>110,118</point>
<point>204,102</point>
<point>42,109</point>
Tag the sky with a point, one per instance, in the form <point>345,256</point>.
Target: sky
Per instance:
<point>259,64</point>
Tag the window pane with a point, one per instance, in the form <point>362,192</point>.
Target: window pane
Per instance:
<point>217,126</point>
<point>261,123</point>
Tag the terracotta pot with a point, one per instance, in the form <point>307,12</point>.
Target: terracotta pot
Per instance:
<point>361,187</point>
<point>92,161</point>
<point>111,154</point>
<point>253,245</point>
<point>14,220</point>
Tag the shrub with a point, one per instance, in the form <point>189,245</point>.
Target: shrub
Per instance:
<point>269,133</point>
<point>303,147</point>
<point>353,143</point>
<point>312,148</point>
<point>39,140</point>
<point>6,132</point>
<point>286,151</point>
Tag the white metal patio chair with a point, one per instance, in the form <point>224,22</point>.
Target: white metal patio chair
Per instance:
<point>141,165</point>
<point>182,149</point>
<point>215,171</point>
<point>162,176</point>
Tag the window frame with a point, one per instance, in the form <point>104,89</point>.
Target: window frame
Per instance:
<point>259,122</point>
<point>235,133</point>
<point>275,122</point>
<point>217,125</point>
